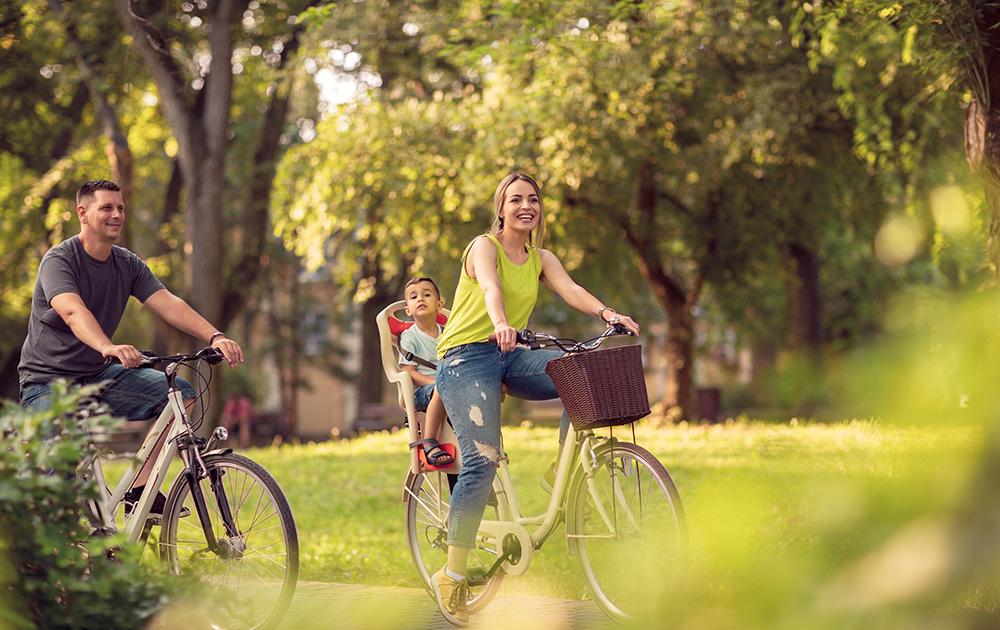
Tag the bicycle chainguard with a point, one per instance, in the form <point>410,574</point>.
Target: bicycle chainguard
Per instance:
<point>511,553</point>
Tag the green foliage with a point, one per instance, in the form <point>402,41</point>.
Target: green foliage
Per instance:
<point>383,180</point>
<point>52,573</point>
<point>776,510</point>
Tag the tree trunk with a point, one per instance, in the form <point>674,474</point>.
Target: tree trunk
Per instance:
<point>9,382</point>
<point>806,314</point>
<point>668,290</point>
<point>256,218</point>
<point>806,308</point>
<point>982,151</point>
<point>982,122</point>
<point>117,149</point>
<point>385,291</point>
<point>680,355</point>
<point>204,237</point>
<point>371,378</point>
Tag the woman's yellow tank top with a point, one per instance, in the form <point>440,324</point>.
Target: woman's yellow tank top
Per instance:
<point>469,322</point>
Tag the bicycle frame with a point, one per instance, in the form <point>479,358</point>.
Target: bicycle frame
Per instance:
<point>174,421</point>
<point>511,522</point>
<point>543,525</point>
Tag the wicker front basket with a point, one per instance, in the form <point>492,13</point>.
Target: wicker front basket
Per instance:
<point>601,388</point>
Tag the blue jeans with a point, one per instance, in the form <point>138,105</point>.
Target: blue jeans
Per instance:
<point>422,397</point>
<point>135,394</point>
<point>468,381</point>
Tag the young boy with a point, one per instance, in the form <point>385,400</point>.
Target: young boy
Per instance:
<point>423,301</point>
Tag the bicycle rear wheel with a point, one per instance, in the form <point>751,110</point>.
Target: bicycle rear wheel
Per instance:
<point>256,558</point>
<point>426,498</point>
<point>627,526</point>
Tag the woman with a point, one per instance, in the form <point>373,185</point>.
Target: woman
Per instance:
<point>496,293</point>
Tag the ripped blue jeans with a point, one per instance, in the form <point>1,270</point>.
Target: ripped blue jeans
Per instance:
<point>468,381</point>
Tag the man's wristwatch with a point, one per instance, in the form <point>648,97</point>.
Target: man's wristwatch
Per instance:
<point>217,333</point>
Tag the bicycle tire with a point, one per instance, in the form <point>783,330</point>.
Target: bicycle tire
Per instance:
<point>262,569</point>
<point>426,509</point>
<point>632,549</point>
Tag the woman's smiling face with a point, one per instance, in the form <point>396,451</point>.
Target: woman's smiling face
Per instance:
<point>522,208</point>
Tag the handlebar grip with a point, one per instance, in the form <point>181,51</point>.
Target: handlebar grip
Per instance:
<point>147,358</point>
<point>211,355</point>
<point>524,337</point>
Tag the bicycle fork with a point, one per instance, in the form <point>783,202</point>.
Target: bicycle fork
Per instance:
<point>231,547</point>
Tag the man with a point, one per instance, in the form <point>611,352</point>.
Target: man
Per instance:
<point>81,290</point>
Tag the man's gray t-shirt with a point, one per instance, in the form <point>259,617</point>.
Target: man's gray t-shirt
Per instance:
<point>51,350</point>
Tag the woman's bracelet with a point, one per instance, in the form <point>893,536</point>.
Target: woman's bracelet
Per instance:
<point>600,313</point>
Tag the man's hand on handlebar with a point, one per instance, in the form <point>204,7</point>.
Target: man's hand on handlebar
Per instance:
<point>212,355</point>
<point>230,349</point>
<point>128,355</point>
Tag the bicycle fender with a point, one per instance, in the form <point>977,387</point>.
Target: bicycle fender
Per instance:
<point>217,451</point>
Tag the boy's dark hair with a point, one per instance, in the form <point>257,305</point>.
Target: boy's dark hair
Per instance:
<point>423,279</point>
<point>87,190</point>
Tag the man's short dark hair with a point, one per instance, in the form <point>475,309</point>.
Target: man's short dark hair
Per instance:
<point>87,190</point>
<point>423,279</point>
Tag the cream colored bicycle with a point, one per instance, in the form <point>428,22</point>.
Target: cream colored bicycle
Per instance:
<point>624,519</point>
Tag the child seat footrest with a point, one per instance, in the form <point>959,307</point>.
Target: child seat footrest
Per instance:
<point>447,447</point>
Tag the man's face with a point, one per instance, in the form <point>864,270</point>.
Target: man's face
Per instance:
<point>104,216</point>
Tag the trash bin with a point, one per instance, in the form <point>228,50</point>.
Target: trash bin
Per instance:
<point>708,401</point>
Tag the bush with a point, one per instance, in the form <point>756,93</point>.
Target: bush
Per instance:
<point>52,573</point>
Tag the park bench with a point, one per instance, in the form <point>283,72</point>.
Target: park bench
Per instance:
<point>379,417</point>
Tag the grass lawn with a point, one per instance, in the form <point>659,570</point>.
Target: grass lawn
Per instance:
<point>775,510</point>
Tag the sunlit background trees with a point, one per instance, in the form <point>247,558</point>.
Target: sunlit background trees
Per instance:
<point>753,180</point>
<point>793,198</point>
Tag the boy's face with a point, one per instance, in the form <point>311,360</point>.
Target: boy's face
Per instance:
<point>422,300</point>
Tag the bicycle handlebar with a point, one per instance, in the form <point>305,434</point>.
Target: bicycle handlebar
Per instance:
<point>209,355</point>
<point>537,341</point>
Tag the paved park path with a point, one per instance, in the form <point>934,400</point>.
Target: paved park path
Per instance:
<point>358,607</point>
<point>354,606</point>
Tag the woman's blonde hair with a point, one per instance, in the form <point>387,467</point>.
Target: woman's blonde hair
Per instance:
<point>537,236</point>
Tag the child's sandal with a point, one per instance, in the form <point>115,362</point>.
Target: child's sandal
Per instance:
<point>440,459</point>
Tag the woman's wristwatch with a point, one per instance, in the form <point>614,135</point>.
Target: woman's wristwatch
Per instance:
<point>600,313</point>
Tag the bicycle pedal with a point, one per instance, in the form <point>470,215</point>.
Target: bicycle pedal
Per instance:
<point>157,519</point>
<point>478,577</point>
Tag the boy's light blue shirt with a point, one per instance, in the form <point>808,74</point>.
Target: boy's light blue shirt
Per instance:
<point>421,344</point>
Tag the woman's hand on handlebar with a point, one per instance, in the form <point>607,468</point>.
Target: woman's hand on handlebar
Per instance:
<point>505,336</point>
<point>625,321</point>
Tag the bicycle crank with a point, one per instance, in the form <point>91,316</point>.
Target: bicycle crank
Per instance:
<point>512,545</point>
<point>511,553</point>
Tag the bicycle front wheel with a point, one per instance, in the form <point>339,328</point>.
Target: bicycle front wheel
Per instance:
<point>626,524</point>
<point>251,548</point>
<point>426,498</point>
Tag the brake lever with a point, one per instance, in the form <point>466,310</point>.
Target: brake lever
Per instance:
<point>212,355</point>
<point>620,329</point>
<point>148,358</point>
